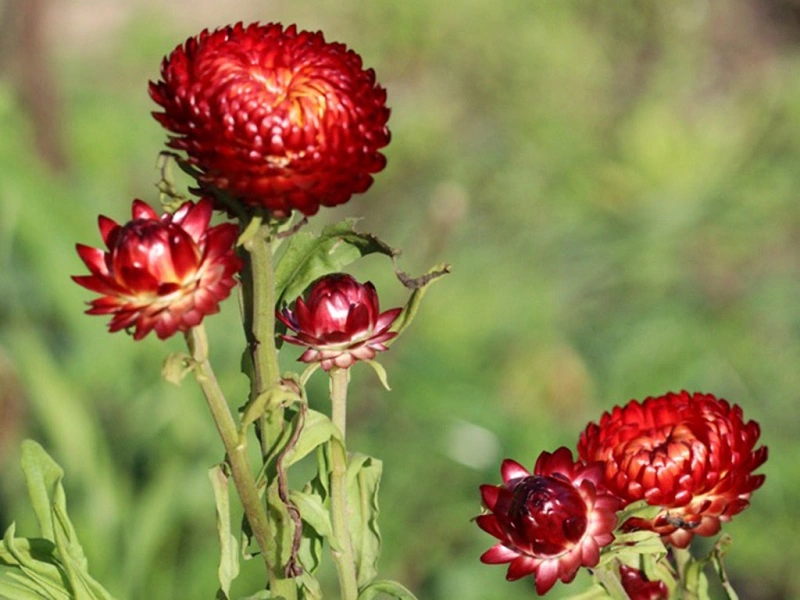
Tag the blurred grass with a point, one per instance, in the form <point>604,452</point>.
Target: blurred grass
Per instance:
<point>615,184</point>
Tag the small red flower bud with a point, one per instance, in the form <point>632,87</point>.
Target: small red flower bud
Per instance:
<point>161,273</point>
<point>279,118</point>
<point>339,321</point>
<point>690,453</point>
<point>551,522</point>
<point>638,587</point>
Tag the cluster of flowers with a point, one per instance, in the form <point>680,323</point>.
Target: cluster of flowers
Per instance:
<point>693,455</point>
<point>282,121</point>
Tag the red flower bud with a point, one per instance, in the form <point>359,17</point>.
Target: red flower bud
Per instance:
<point>339,321</point>
<point>638,587</point>
<point>279,118</point>
<point>549,523</point>
<point>161,273</point>
<point>690,453</point>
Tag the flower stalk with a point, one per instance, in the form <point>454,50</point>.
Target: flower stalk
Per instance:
<point>235,448</point>
<point>259,322</point>
<point>343,556</point>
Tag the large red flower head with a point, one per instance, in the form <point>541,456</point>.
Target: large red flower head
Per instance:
<point>339,321</point>
<point>161,273</point>
<point>279,118</point>
<point>690,453</point>
<point>551,522</point>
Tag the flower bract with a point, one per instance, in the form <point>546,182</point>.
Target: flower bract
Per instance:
<point>161,273</point>
<point>339,321</point>
<point>278,118</point>
<point>638,587</point>
<point>551,522</point>
<point>692,454</point>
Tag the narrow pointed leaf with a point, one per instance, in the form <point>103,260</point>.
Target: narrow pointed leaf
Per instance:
<point>228,568</point>
<point>420,286</point>
<point>363,481</point>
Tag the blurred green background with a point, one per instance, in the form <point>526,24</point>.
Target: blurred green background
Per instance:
<point>615,183</point>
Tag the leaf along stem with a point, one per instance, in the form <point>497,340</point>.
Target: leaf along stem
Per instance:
<point>344,557</point>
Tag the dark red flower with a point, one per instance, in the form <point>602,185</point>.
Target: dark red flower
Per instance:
<point>549,523</point>
<point>690,453</point>
<point>638,587</point>
<point>279,118</point>
<point>161,273</point>
<point>339,321</point>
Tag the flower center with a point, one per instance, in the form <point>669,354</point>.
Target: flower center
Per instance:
<point>548,515</point>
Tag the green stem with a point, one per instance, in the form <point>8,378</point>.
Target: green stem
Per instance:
<point>236,451</point>
<point>344,557</point>
<point>259,317</point>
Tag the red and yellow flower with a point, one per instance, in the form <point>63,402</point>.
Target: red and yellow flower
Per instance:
<point>551,522</point>
<point>280,119</point>
<point>339,322</point>
<point>161,274</point>
<point>692,454</point>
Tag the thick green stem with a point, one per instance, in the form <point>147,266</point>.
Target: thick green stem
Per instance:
<point>235,450</point>
<point>259,320</point>
<point>344,556</point>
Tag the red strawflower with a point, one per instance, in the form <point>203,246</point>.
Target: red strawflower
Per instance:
<point>638,587</point>
<point>690,453</point>
<point>279,118</point>
<point>339,321</point>
<point>549,523</point>
<point>161,273</point>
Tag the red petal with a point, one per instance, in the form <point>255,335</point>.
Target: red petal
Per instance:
<point>197,218</point>
<point>511,469</point>
<point>107,226</point>
<point>523,566</point>
<point>141,210</point>
<point>498,554</point>
<point>94,258</point>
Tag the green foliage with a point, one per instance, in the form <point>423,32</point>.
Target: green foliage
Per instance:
<point>306,257</point>
<point>229,549</point>
<point>54,566</point>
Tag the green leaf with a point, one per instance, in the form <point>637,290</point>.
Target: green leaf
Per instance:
<point>312,511</point>
<point>380,372</point>
<point>228,568</point>
<point>307,257</point>
<point>385,586</point>
<point>37,569</point>
<point>640,510</point>
<point>317,430</point>
<point>54,567</point>
<point>420,286</point>
<point>43,477</point>
<point>363,481</point>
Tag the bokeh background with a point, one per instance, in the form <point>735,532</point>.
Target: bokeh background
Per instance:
<point>615,183</point>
